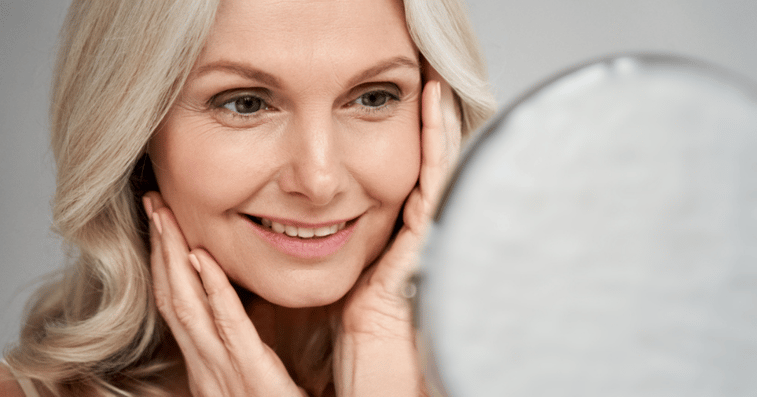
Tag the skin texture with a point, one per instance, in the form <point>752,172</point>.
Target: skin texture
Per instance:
<point>329,144</point>
<point>315,155</point>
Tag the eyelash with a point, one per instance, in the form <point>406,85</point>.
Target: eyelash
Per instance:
<point>390,97</point>
<point>226,103</point>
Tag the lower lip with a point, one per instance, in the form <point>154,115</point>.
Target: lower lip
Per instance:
<point>311,248</point>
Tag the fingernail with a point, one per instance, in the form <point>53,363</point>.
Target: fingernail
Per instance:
<point>147,203</point>
<point>195,262</point>
<point>438,92</point>
<point>156,221</point>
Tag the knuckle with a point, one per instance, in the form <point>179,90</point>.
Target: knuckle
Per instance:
<point>227,327</point>
<point>162,303</point>
<point>184,312</point>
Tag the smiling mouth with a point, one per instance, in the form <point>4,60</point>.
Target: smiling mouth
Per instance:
<point>299,231</point>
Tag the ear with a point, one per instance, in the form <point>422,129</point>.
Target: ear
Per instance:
<point>142,177</point>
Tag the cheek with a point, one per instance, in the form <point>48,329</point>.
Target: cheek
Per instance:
<point>190,156</point>
<point>199,175</point>
<point>185,171</point>
<point>388,167</point>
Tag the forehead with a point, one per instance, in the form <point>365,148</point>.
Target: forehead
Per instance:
<point>282,34</point>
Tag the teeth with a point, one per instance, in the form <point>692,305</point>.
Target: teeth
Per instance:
<point>323,231</point>
<point>277,227</point>
<point>291,231</point>
<point>305,233</point>
<point>302,232</point>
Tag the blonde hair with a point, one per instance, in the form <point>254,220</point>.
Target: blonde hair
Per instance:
<point>94,328</point>
<point>443,34</point>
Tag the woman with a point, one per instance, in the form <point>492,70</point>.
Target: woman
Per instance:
<point>246,185</point>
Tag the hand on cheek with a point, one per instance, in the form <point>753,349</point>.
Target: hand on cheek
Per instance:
<point>375,350</point>
<point>222,350</point>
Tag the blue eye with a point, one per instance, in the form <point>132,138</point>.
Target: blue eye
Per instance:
<point>376,99</point>
<point>246,105</point>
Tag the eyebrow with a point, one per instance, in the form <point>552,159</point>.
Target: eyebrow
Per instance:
<point>384,66</point>
<point>252,73</point>
<point>240,69</point>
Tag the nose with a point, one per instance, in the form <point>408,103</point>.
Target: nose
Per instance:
<point>314,169</point>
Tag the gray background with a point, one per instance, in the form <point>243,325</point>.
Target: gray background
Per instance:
<point>524,41</point>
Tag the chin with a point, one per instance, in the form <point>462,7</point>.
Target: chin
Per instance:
<point>301,283</point>
<point>305,299</point>
<point>307,289</point>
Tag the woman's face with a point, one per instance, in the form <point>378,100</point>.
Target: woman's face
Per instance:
<point>301,116</point>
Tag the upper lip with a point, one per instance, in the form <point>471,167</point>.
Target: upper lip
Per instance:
<point>292,222</point>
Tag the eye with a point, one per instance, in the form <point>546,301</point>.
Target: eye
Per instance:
<point>245,105</point>
<point>376,99</point>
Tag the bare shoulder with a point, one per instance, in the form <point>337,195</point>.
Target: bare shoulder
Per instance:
<point>9,387</point>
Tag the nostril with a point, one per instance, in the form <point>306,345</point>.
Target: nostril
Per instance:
<point>313,178</point>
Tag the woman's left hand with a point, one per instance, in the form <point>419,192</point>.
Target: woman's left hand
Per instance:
<point>375,352</point>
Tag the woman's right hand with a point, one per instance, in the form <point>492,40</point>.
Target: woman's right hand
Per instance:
<point>223,353</point>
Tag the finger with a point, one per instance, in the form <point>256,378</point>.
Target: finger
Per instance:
<point>451,111</point>
<point>233,325</point>
<point>184,282</point>
<point>161,287</point>
<point>238,333</point>
<point>184,298</point>
<point>432,133</point>
<point>188,300</point>
<point>403,259</point>
<point>440,138</point>
<point>416,212</point>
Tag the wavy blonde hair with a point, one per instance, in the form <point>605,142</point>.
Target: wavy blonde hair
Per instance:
<point>94,329</point>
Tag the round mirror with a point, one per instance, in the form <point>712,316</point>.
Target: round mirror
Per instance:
<point>599,238</point>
